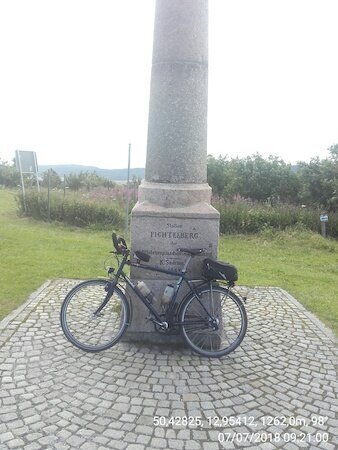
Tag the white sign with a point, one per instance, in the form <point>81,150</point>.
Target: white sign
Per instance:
<point>26,161</point>
<point>324,218</point>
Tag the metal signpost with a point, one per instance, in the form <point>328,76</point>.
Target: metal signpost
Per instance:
<point>127,197</point>
<point>323,219</point>
<point>26,162</point>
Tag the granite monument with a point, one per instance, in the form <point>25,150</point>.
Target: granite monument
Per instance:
<point>173,208</point>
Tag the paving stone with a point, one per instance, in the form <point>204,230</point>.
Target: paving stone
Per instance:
<point>89,446</point>
<point>143,439</point>
<point>5,437</point>
<point>193,445</point>
<point>55,396</point>
<point>210,446</point>
<point>32,446</point>
<point>15,443</point>
<point>158,443</point>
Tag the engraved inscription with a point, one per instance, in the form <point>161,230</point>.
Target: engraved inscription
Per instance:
<point>170,260</point>
<point>176,232</point>
<point>174,235</point>
<point>174,225</point>
<point>163,237</point>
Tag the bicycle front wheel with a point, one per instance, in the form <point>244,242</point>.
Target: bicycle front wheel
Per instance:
<point>84,326</point>
<point>213,323</point>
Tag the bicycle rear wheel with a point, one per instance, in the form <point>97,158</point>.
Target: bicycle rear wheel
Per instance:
<point>213,323</point>
<point>83,327</point>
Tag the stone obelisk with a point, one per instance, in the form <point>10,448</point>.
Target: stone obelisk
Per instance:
<point>173,208</point>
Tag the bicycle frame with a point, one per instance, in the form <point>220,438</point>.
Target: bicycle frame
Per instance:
<point>180,275</point>
<point>210,318</point>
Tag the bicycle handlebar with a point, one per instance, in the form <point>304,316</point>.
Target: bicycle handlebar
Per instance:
<point>119,244</point>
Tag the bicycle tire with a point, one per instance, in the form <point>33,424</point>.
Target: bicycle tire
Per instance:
<point>86,331</point>
<point>214,307</point>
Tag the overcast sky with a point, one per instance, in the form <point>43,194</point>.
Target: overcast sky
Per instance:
<point>75,79</point>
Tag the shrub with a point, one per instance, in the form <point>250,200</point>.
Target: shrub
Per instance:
<point>107,211</point>
<point>71,210</point>
<point>247,217</point>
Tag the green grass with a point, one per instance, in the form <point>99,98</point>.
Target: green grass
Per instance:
<point>301,262</point>
<point>32,252</point>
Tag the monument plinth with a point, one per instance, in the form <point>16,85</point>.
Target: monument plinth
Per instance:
<point>173,208</point>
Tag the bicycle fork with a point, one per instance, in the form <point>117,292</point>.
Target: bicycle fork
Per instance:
<point>110,291</point>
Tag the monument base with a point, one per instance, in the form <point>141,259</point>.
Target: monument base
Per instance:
<point>181,217</point>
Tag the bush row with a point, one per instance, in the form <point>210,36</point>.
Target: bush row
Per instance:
<point>235,217</point>
<point>252,218</point>
<point>71,210</point>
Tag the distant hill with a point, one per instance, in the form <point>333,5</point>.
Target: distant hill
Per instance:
<point>110,174</point>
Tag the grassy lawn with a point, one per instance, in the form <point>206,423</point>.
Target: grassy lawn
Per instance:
<point>32,252</point>
<point>303,263</point>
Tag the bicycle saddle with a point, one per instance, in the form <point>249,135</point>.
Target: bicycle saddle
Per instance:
<point>192,251</point>
<point>142,256</point>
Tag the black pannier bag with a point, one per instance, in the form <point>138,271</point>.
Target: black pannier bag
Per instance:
<point>216,270</point>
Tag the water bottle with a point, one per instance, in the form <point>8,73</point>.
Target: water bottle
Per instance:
<point>148,294</point>
<point>168,294</point>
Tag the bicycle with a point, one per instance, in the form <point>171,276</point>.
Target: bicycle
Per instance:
<point>212,318</point>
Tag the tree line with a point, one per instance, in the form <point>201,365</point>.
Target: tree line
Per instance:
<point>253,177</point>
<point>10,177</point>
<point>271,180</point>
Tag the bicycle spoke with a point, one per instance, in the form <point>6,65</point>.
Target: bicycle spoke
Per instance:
<point>215,323</point>
<point>83,327</point>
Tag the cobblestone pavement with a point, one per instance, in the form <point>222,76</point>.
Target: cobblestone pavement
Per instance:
<point>279,387</point>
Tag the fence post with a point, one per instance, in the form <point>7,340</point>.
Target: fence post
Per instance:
<point>48,197</point>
